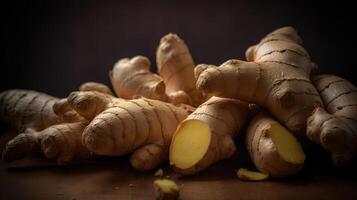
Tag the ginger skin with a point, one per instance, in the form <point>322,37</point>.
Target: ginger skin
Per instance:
<point>336,127</point>
<point>276,77</point>
<point>176,67</point>
<point>132,78</point>
<point>206,136</point>
<point>44,122</point>
<point>247,175</point>
<point>94,86</point>
<point>143,127</point>
<point>27,109</point>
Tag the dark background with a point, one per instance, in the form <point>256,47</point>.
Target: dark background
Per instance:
<point>54,46</point>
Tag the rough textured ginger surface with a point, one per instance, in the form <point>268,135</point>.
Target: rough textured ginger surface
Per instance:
<point>43,122</point>
<point>276,77</point>
<point>335,125</point>
<point>143,127</point>
<point>272,148</point>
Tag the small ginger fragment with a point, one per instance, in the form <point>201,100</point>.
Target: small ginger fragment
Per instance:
<point>247,175</point>
<point>166,189</point>
<point>159,173</point>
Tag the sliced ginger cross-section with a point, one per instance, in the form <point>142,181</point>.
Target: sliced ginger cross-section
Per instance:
<point>286,144</point>
<point>272,148</point>
<point>248,175</point>
<point>190,144</point>
<point>206,136</point>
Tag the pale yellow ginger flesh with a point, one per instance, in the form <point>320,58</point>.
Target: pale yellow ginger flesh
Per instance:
<point>190,144</point>
<point>166,189</point>
<point>248,175</point>
<point>286,144</point>
<point>206,135</point>
<point>272,148</point>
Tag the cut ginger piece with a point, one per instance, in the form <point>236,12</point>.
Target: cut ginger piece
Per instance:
<point>206,135</point>
<point>286,144</point>
<point>166,189</point>
<point>159,173</point>
<point>248,175</point>
<point>273,149</point>
<point>191,144</point>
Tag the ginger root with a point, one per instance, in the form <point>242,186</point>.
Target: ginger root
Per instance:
<point>166,189</point>
<point>248,175</point>
<point>176,67</point>
<point>27,109</point>
<point>132,78</point>
<point>276,77</point>
<point>142,126</point>
<point>94,86</point>
<point>206,136</point>
<point>272,148</point>
<point>336,127</point>
<point>44,122</point>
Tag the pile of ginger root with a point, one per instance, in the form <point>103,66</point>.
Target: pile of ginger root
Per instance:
<point>190,115</point>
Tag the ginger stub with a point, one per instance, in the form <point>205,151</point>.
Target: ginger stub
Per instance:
<point>176,67</point>
<point>206,136</point>
<point>272,148</point>
<point>131,78</point>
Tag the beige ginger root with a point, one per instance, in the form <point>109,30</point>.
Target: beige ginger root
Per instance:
<point>44,122</point>
<point>166,189</point>
<point>176,67</point>
<point>142,126</point>
<point>26,109</point>
<point>276,77</point>
<point>272,148</point>
<point>336,127</point>
<point>61,142</point>
<point>247,175</point>
<point>94,86</point>
<point>132,78</point>
<point>206,136</point>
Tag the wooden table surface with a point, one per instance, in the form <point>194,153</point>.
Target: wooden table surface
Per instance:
<point>109,178</point>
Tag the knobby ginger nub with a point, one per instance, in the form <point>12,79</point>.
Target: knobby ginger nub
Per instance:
<point>272,148</point>
<point>336,127</point>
